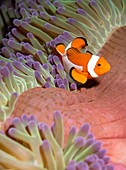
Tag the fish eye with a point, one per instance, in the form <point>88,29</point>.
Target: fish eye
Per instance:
<point>99,64</point>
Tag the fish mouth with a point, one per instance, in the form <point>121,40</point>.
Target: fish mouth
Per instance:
<point>107,68</point>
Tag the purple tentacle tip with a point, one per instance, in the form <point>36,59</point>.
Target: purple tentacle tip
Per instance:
<point>17,64</point>
<point>43,14</point>
<point>48,2</point>
<point>30,63</point>
<point>44,128</point>
<point>2,63</point>
<point>58,76</point>
<point>48,79</point>
<point>60,67</point>
<point>65,81</point>
<point>45,66</point>
<point>15,94</point>
<point>61,10</point>
<point>79,1</point>
<point>35,14</point>
<point>56,3</point>
<point>20,59</point>
<point>79,141</point>
<point>53,72</point>
<point>19,54</point>
<point>58,40</point>
<point>30,35</point>
<point>16,22</point>
<point>16,121</point>
<point>37,75</point>
<point>5,71</point>
<point>55,58</point>
<point>32,118</point>
<point>62,86</point>
<point>93,2</point>
<point>10,67</point>
<point>91,158</point>
<point>89,142</point>
<point>96,146</point>
<point>52,43</point>
<point>37,65</point>
<point>29,57</point>
<point>106,159</point>
<point>102,153</point>
<point>24,117</point>
<point>82,166</point>
<point>90,135</point>
<point>81,11</point>
<point>73,86</point>
<point>45,145</point>
<point>65,33</point>
<point>53,18</point>
<point>21,5</point>
<point>59,82</point>
<point>85,128</point>
<point>27,46</point>
<point>47,85</point>
<point>72,130</point>
<point>24,24</point>
<point>47,26</point>
<point>22,10</point>
<point>12,132</point>
<point>71,165</point>
<point>57,114</point>
<point>95,166</point>
<point>28,20</point>
<point>109,167</point>
<point>39,53</point>
<point>14,31</point>
<point>32,123</point>
<point>11,43</point>
<point>71,20</point>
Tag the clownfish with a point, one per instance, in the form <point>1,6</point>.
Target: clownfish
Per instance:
<point>81,66</point>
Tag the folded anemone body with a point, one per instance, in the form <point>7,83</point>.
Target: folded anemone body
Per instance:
<point>28,59</point>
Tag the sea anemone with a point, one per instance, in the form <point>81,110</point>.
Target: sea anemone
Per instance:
<point>28,62</point>
<point>31,145</point>
<point>27,56</point>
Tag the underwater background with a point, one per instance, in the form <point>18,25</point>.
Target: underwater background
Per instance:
<point>48,121</point>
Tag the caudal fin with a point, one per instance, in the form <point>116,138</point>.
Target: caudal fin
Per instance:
<point>60,48</point>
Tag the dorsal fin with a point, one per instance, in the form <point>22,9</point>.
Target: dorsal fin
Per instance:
<point>72,51</point>
<point>60,48</point>
<point>79,43</point>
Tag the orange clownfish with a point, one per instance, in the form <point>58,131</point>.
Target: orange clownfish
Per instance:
<point>81,66</point>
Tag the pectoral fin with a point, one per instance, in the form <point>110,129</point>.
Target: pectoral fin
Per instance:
<point>72,52</point>
<point>78,76</point>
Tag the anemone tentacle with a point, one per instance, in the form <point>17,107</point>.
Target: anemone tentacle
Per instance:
<point>38,26</point>
<point>41,147</point>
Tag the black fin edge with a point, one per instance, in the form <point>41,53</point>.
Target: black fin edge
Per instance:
<point>89,52</point>
<point>59,44</point>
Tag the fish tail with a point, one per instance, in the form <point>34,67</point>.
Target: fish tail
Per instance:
<point>60,48</point>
